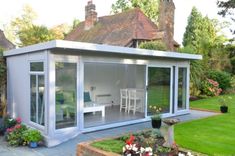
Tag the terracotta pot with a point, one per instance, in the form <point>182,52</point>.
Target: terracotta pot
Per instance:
<point>156,123</point>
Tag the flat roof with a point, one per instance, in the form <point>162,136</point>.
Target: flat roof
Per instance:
<point>99,48</point>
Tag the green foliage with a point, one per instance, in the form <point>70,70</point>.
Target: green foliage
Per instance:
<point>14,135</point>
<point>153,45</point>
<point>34,34</point>
<point>232,60</point>
<point>223,78</point>
<point>32,135</point>
<point>149,7</point>
<point>2,68</point>
<point>199,30</point>
<point>197,73</point>
<point>120,6</point>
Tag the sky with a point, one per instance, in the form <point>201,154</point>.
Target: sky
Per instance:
<point>52,12</point>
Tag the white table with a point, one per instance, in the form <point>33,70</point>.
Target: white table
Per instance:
<point>92,107</point>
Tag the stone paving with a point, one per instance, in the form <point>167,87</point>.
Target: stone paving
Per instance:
<point>69,148</point>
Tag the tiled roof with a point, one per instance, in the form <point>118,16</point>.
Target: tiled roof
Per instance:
<point>119,29</point>
<point>5,43</point>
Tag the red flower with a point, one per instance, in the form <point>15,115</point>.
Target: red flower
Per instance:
<point>18,120</point>
<point>131,140</point>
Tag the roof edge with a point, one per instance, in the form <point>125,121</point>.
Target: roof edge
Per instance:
<point>101,48</point>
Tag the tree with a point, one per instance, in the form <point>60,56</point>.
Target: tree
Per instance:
<point>120,6</point>
<point>227,7</point>
<point>35,34</point>
<point>3,79</point>
<point>199,30</point>
<point>149,7</point>
<point>21,23</point>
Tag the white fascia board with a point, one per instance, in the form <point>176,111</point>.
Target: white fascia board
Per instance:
<point>100,48</point>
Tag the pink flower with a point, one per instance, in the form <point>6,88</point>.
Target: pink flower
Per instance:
<point>9,130</point>
<point>17,126</point>
<point>18,120</point>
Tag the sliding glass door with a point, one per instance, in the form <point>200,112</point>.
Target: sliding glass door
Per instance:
<point>159,89</point>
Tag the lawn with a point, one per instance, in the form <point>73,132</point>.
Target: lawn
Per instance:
<point>111,145</point>
<point>214,135</point>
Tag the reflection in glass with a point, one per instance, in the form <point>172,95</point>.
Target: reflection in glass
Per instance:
<point>182,88</point>
<point>159,80</point>
<point>36,66</point>
<point>66,105</point>
<point>37,105</point>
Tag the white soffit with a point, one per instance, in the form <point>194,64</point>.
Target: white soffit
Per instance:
<point>99,48</point>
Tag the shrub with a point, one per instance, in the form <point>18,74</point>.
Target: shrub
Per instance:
<point>232,60</point>
<point>223,78</point>
<point>153,45</point>
<point>32,135</point>
<point>211,88</point>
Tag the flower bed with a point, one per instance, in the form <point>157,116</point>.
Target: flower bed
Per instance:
<point>144,143</point>
<point>17,134</point>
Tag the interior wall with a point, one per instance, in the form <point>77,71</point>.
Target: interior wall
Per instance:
<point>107,78</point>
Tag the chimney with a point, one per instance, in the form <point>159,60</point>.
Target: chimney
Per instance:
<point>166,21</point>
<point>90,15</point>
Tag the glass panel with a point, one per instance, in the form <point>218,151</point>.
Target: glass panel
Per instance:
<point>66,100</point>
<point>37,105</point>
<point>113,93</point>
<point>36,66</point>
<point>182,88</point>
<point>41,97</point>
<point>159,84</point>
<point>33,98</point>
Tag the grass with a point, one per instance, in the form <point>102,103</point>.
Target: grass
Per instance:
<point>159,95</point>
<point>214,135</point>
<point>111,145</point>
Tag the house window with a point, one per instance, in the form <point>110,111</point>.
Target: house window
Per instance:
<point>37,93</point>
<point>66,91</point>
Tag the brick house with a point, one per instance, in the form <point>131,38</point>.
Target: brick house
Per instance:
<point>127,29</point>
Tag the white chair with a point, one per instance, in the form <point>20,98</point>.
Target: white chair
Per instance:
<point>123,99</point>
<point>134,101</point>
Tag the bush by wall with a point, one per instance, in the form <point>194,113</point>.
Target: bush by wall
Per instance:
<point>223,78</point>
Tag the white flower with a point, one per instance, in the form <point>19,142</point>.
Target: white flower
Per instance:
<point>123,149</point>
<point>148,149</point>
<point>142,150</point>
<point>189,154</point>
<point>135,148</point>
<point>181,154</point>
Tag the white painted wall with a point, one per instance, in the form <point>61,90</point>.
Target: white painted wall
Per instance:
<point>19,84</point>
<point>109,78</point>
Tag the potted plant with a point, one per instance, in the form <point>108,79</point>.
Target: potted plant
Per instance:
<point>223,104</point>
<point>156,118</point>
<point>32,137</point>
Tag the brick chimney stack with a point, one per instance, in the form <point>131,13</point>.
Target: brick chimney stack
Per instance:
<point>166,21</point>
<point>90,15</point>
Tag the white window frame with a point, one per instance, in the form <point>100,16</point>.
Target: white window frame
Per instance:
<point>171,89</point>
<point>37,73</point>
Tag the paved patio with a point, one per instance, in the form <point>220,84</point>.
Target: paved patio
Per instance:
<point>69,148</point>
